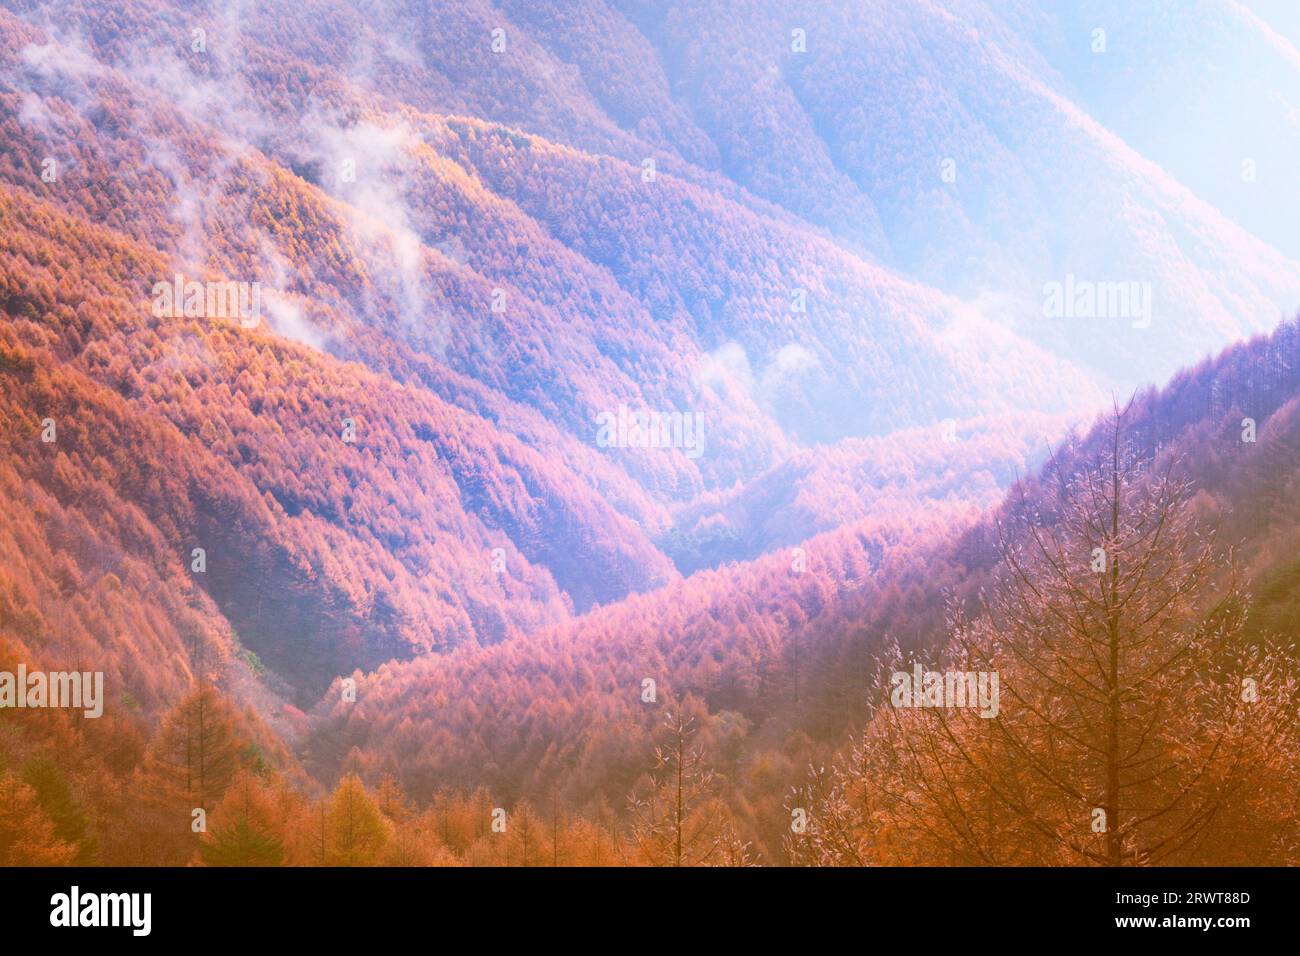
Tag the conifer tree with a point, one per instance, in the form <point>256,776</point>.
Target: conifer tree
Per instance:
<point>672,824</point>
<point>356,830</point>
<point>243,830</point>
<point>27,834</point>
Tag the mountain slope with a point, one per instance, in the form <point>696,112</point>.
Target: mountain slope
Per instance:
<point>777,656</point>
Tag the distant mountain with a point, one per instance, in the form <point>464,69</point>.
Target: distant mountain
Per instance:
<point>1210,91</point>
<point>914,478</point>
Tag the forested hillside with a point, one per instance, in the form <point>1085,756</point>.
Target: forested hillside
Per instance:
<point>313,319</point>
<point>783,660</point>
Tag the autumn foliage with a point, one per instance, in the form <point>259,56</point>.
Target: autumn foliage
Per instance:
<point>366,591</point>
